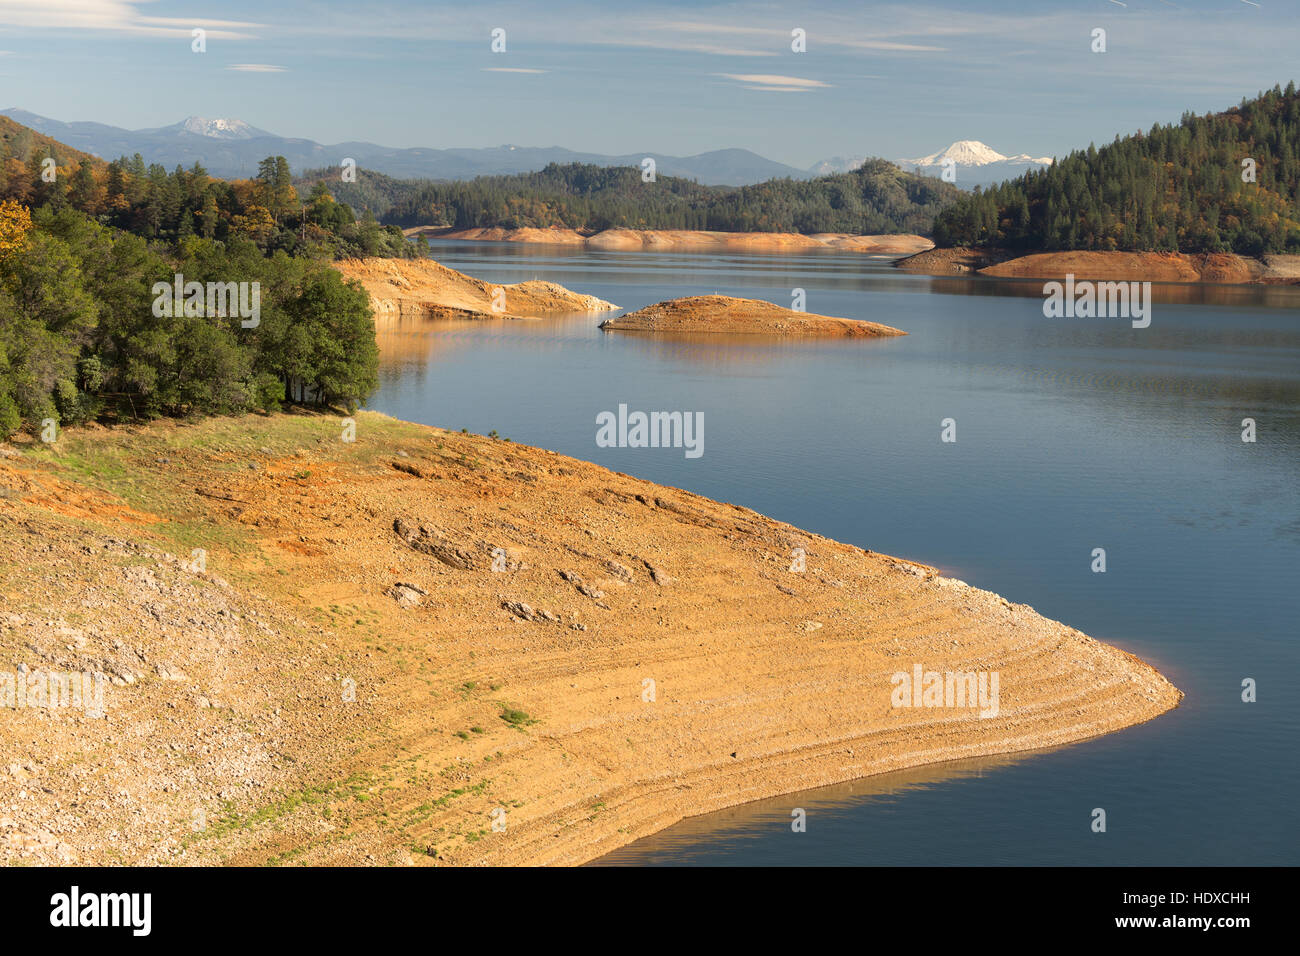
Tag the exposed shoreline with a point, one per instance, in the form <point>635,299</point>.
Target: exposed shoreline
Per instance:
<point>412,290</point>
<point>523,689</point>
<point>723,314</point>
<point>688,240</point>
<point>1116,266</point>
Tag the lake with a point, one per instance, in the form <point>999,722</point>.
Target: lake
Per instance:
<point>1071,435</point>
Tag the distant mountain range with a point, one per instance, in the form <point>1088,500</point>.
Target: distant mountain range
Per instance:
<point>231,148</point>
<point>975,164</point>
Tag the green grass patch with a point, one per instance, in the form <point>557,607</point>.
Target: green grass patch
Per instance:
<point>516,718</point>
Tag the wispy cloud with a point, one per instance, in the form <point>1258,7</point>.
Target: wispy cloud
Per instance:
<point>257,68</point>
<point>118,16</point>
<point>683,46</point>
<point>841,35</point>
<point>775,82</point>
<point>511,69</point>
<point>726,30</point>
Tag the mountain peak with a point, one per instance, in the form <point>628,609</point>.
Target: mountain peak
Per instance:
<point>964,152</point>
<point>217,128</point>
<point>1025,158</point>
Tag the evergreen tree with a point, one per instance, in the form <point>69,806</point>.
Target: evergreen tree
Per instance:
<point>1183,188</point>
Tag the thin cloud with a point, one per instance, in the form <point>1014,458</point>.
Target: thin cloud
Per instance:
<point>775,82</point>
<point>257,68</point>
<point>591,24</point>
<point>511,69</point>
<point>780,37</point>
<point>709,48</point>
<point>118,16</point>
<point>887,45</point>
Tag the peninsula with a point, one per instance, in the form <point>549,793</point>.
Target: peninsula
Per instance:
<point>404,289</point>
<point>426,647</point>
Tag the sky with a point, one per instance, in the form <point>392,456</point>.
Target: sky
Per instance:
<point>879,79</point>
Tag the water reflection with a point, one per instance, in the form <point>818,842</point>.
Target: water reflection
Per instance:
<point>705,837</point>
<point>1073,434</point>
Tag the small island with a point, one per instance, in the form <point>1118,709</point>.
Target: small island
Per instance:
<point>724,313</point>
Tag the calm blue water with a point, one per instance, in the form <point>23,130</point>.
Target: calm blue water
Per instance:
<point>1072,434</point>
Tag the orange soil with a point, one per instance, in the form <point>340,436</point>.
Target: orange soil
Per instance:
<point>726,314</point>
<point>423,289</point>
<point>419,631</point>
<point>1117,266</point>
<point>690,240</point>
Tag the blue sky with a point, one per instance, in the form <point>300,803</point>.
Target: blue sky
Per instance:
<point>886,79</point>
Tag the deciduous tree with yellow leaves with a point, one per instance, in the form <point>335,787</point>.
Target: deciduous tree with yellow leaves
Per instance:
<point>15,223</point>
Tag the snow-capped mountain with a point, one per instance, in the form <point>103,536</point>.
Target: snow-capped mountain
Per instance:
<point>215,128</point>
<point>964,152</point>
<point>974,163</point>
<point>1026,159</point>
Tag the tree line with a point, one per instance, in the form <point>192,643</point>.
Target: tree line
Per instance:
<point>876,198</point>
<point>85,253</point>
<point>151,202</point>
<point>1225,182</point>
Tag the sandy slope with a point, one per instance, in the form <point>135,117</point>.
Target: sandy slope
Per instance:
<point>423,289</point>
<point>367,566</point>
<point>727,314</point>
<point>689,240</point>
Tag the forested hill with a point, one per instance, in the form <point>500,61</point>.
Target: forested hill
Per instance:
<point>1183,188</point>
<point>21,144</point>
<point>877,198</point>
<point>128,292</point>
